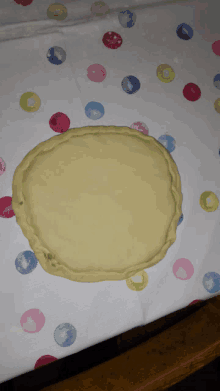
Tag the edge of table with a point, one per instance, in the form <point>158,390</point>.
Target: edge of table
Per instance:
<point>162,361</point>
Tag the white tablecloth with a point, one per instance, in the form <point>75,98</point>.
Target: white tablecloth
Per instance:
<point>46,315</point>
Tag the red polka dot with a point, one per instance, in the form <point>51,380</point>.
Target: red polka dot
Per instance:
<point>216,48</point>
<point>2,166</point>
<point>44,360</point>
<point>191,92</point>
<point>23,2</point>
<point>59,122</point>
<point>112,40</point>
<point>6,210</point>
<point>194,302</point>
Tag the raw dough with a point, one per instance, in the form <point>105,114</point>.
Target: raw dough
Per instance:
<point>98,203</point>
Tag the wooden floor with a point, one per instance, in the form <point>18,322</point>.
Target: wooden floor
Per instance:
<point>102,355</point>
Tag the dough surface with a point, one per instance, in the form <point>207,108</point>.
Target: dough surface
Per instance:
<point>98,203</point>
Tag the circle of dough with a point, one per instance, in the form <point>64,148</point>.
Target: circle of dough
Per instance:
<point>98,203</point>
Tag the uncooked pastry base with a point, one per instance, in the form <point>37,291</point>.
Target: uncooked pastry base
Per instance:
<point>98,203</point>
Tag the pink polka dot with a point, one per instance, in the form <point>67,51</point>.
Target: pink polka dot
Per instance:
<point>191,92</point>
<point>141,127</point>
<point>32,321</point>
<point>183,269</point>
<point>216,47</point>
<point>112,40</point>
<point>2,166</point>
<point>96,72</point>
<point>59,122</point>
<point>6,210</point>
<point>44,360</point>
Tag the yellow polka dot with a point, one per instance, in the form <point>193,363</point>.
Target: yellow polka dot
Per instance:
<point>57,11</point>
<point>99,8</point>
<point>209,201</point>
<point>138,281</point>
<point>165,73</point>
<point>217,105</point>
<point>30,102</point>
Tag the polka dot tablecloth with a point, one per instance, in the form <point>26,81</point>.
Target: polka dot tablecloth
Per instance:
<point>131,67</point>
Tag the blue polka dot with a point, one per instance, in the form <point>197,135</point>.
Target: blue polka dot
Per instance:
<point>56,55</point>
<point>127,18</point>
<point>130,84</point>
<point>180,220</point>
<point>94,110</point>
<point>211,282</point>
<point>184,31</point>
<point>65,334</point>
<point>26,262</point>
<point>168,142</point>
<point>216,81</point>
